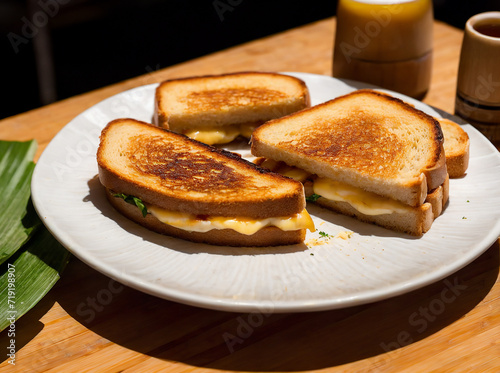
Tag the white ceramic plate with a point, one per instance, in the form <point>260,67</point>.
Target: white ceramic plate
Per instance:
<point>324,273</point>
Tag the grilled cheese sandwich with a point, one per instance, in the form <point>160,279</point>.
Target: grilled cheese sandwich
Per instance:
<point>364,154</point>
<point>216,109</point>
<point>193,191</point>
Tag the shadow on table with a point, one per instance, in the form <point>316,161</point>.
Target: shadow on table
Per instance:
<point>266,341</point>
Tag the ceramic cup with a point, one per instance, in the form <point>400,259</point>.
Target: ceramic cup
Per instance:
<point>478,84</point>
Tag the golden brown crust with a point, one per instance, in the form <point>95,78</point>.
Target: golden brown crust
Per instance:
<point>174,172</point>
<point>456,147</point>
<point>438,198</point>
<point>227,99</point>
<point>231,74</point>
<point>268,236</point>
<point>436,171</point>
<point>415,223</point>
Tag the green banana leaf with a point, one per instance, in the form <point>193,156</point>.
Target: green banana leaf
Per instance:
<point>28,275</point>
<point>31,259</point>
<point>16,168</point>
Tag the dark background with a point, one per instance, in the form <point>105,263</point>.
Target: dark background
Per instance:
<point>53,49</point>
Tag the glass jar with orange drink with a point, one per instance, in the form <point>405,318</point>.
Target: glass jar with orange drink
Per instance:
<point>387,43</point>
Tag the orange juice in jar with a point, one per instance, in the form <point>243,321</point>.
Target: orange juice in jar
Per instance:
<point>386,43</point>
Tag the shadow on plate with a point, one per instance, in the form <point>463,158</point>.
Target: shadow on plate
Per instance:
<point>267,341</point>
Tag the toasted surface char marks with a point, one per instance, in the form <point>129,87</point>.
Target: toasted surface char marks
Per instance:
<point>181,167</point>
<point>219,98</point>
<point>347,144</point>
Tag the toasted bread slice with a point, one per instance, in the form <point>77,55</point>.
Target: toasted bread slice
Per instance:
<point>456,147</point>
<point>366,139</point>
<point>171,172</point>
<point>235,103</point>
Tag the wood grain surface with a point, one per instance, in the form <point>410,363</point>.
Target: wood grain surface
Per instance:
<point>89,323</point>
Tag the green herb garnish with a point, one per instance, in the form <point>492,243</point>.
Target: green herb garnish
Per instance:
<point>133,201</point>
<point>313,197</point>
<point>324,234</point>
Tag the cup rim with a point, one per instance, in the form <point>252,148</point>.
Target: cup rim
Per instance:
<point>478,18</point>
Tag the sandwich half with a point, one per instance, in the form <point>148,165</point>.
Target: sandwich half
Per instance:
<point>364,154</point>
<point>215,109</point>
<point>180,187</point>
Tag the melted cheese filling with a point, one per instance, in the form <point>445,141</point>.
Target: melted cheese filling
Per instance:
<point>365,202</point>
<point>222,135</point>
<point>214,136</point>
<point>242,225</point>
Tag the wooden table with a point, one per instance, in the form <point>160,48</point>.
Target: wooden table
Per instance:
<point>70,330</point>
